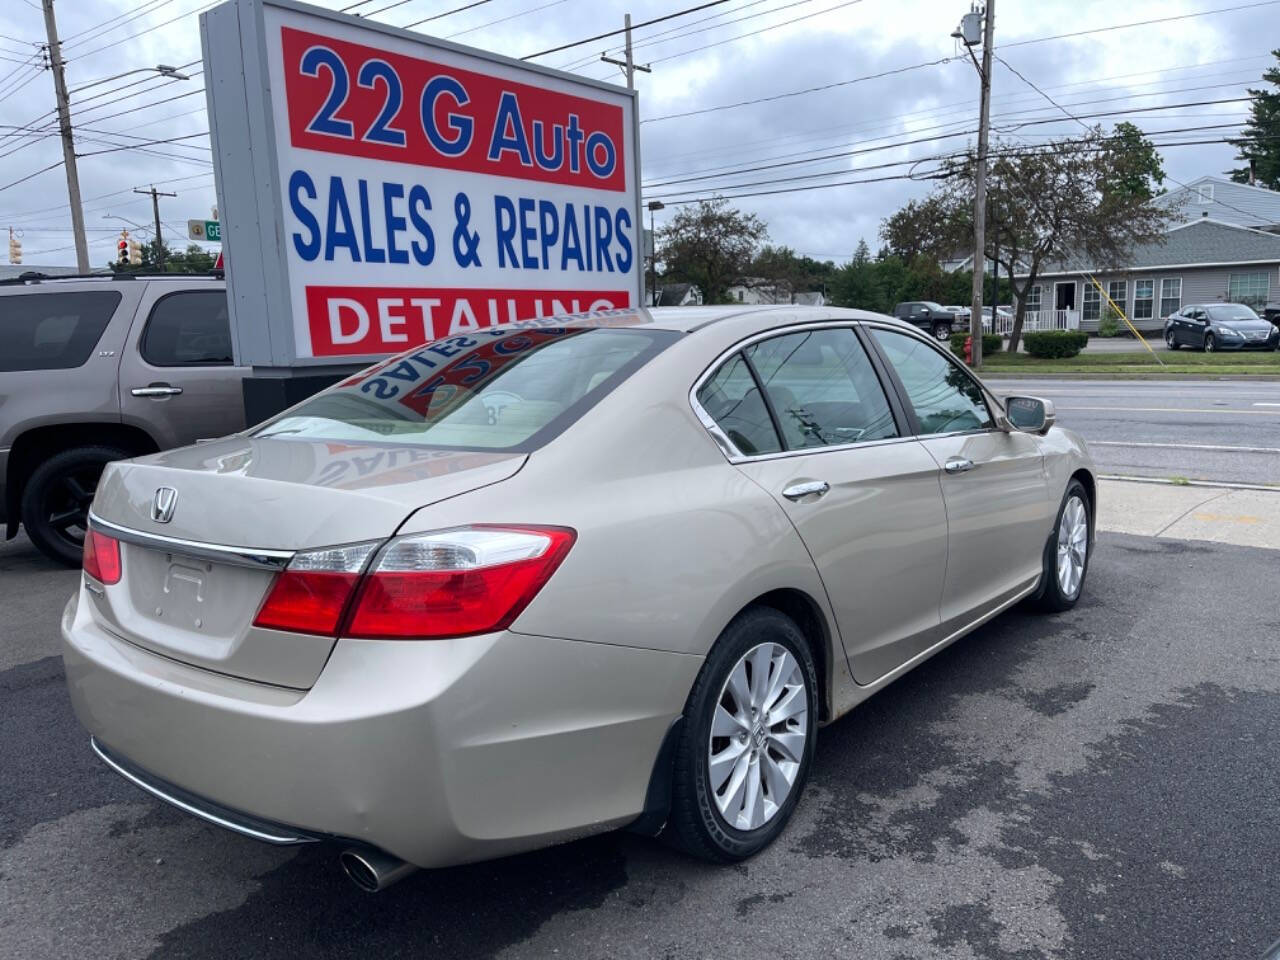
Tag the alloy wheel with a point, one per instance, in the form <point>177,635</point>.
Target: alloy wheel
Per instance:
<point>1168,339</point>
<point>66,503</point>
<point>1073,546</point>
<point>941,332</point>
<point>1209,344</point>
<point>758,736</point>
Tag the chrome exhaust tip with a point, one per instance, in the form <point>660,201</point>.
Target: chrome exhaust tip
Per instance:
<point>373,870</point>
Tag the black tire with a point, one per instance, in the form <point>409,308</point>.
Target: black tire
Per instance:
<point>941,331</point>
<point>1053,598</point>
<point>1170,340</point>
<point>696,824</point>
<point>56,498</point>
<point>1210,344</point>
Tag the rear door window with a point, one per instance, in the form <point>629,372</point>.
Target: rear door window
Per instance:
<point>502,389</point>
<point>53,331</point>
<point>188,329</point>
<point>733,400</point>
<point>823,388</point>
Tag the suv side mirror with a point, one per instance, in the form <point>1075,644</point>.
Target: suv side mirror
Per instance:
<point>1029,414</point>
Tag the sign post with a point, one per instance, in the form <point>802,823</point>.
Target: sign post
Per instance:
<point>380,188</point>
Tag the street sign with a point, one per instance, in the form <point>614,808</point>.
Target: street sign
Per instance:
<point>207,230</point>
<point>383,188</point>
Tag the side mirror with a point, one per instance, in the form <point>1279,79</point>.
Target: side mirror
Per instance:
<point>1029,414</point>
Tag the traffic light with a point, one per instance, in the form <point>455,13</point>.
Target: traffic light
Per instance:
<point>135,252</point>
<point>122,248</point>
<point>15,247</point>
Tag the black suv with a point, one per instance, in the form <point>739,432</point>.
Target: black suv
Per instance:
<point>928,316</point>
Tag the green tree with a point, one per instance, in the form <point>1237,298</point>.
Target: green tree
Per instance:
<point>913,231</point>
<point>711,245</point>
<point>1260,145</point>
<point>193,259</point>
<point>1137,171</point>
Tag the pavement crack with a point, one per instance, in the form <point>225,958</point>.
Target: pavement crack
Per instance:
<point>1189,511</point>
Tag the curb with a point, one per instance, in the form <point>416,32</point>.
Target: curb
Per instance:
<point>1215,484</point>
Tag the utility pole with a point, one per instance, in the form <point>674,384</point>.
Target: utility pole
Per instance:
<point>68,143</point>
<point>628,64</point>
<point>653,253</point>
<point>967,34</point>
<point>155,207</point>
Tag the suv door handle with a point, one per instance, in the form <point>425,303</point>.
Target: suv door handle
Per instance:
<point>958,465</point>
<point>156,390</point>
<point>814,488</point>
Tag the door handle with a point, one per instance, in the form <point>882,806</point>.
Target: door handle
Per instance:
<point>958,465</point>
<point>158,390</point>
<point>814,488</point>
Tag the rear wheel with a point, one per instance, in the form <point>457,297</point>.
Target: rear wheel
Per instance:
<point>941,331</point>
<point>56,499</point>
<point>1210,344</point>
<point>1066,559</point>
<point>747,740</point>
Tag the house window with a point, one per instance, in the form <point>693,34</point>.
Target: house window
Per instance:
<point>1033,299</point>
<point>1253,289</point>
<point>1092,303</point>
<point>1144,292</point>
<point>1204,193</point>
<point>1170,295</point>
<point>1118,291</point>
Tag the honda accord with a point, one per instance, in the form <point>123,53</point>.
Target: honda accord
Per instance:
<point>531,582</point>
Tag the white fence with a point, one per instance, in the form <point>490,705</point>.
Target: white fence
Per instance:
<point>1036,320</point>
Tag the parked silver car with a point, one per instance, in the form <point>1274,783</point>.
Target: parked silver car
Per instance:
<point>533,582</point>
<point>95,369</point>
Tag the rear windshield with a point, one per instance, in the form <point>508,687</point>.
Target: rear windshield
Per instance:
<point>52,331</point>
<point>502,389</point>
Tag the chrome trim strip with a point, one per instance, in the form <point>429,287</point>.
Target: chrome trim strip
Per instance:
<point>241,556</point>
<point>280,839</point>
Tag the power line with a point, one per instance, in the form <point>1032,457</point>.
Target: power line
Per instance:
<point>636,26</point>
<point>447,13</point>
<point>148,143</point>
<point>743,36</point>
<point>1141,23</point>
<point>37,173</point>
<point>513,16</point>
<point>189,13</point>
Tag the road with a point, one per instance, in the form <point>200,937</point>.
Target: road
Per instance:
<point>1226,430</point>
<point>1097,784</point>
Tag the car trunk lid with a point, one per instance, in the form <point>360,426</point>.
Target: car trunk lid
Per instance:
<point>193,583</point>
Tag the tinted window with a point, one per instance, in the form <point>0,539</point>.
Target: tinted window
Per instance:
<point>823,388</point>
<point>945,398</point>
<point>188,330</point>
<point>52,331</point>
<point>1233,311</point>
<point>500,389</point>
<point>734,402</point>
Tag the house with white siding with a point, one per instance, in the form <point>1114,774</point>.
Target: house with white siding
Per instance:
<point>1206,256</point>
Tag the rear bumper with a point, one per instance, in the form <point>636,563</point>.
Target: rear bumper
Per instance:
<point>437,752</point>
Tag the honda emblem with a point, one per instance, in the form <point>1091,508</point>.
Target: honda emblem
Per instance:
<point>163,504</point>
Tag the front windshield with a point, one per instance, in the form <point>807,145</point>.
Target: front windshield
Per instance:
<point>499,389</point>
<point>1226,313</point>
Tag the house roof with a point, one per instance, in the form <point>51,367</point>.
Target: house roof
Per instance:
<point>672,294</point>
<point>1239,203</point>
<point>1201,242</point>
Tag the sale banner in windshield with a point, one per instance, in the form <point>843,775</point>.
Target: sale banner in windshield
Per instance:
<point>393,189</point>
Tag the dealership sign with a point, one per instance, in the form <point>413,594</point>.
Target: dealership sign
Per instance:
<point>379,188</point>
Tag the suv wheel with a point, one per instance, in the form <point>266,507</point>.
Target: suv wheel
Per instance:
<point>56,499</point>
<point>747,741</point>
<point>941,331</point>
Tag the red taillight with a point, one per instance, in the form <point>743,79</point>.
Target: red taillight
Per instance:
<point>456,582</point>
<point>312,592</point>
<point>102,557</point>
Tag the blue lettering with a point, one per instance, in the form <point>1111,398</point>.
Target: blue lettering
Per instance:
<point>372,254</point>
<point>549,220</point>
<point>423,252</point>
<point>622,224</point>
<point>382,389</point>
<point>574,135</point>
<point>528,234</point>
<point>604,232</point>
<point>344,234</point>
<point>395,224</point>
<point>505,216</point>
<point>571,249</point>
<point>462,127</point>
<point>301,183</point>
<point>601,170</point>
<point>509,119</point>
<point>548,161</point>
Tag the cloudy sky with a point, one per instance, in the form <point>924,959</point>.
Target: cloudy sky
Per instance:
<point>702,64</point>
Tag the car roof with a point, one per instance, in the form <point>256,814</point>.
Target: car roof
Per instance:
<point>692,319</point>
<point>27,281</point>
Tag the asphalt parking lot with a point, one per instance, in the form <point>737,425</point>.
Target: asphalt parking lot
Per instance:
<point>1097,784</point>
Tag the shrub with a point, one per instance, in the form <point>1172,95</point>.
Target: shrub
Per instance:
<point>1055,344</point>
<point>1108,327</point>
<point>991,343</point>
